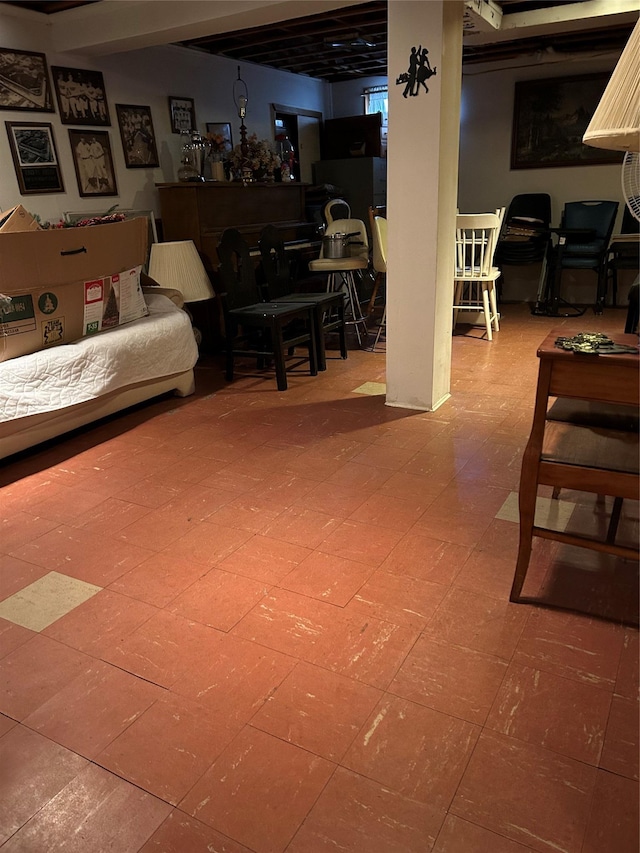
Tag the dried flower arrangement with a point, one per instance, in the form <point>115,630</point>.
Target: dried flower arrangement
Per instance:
<point>260,156</point>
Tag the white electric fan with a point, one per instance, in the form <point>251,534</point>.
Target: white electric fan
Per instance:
<point>631,182</point>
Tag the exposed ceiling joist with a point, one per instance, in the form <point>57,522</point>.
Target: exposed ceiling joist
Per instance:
<point>347,42</point>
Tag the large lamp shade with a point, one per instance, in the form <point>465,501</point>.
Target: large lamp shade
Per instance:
<point>177,264</point>
<point>616,122</point>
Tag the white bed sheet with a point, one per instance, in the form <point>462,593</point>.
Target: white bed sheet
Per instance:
<point>158,345</point>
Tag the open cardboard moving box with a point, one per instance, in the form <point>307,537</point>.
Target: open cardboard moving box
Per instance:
<point>60,284</point>
<point>18,219</point>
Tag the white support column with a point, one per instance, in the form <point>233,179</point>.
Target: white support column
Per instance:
<point>421,201</point>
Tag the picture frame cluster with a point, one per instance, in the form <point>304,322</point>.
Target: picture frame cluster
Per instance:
<point>81,98</point>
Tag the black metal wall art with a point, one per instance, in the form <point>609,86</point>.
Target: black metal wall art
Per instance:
<point>419,71</point>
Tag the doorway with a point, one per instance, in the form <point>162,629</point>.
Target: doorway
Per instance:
<point>301,129</point>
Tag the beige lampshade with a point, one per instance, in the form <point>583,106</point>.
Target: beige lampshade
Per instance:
<point>616,122</point>
<point>177,264</point>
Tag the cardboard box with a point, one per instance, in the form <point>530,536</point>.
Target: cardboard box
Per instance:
<point>18,219</point>
<point>61,284</point>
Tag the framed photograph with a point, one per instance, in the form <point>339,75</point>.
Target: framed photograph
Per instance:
<point>183,114</point>
<point>138,136</point>
<point>93,161</point>
<point>24,81</point>
<point>34,157</point>
<point>549,120</point>
<point>81,96</point>
<point>223,131</point>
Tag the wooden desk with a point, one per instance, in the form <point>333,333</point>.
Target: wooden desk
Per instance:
<point>573,456</point>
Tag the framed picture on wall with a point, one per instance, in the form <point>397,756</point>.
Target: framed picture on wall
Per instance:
<point>221,133</point>
<point>34,157</point>
<point>81,96</point>
<point>24,81</point>
<point>93,162</point>
<point>182,112</point>
<point>138,136</point>
<point>549,120</point>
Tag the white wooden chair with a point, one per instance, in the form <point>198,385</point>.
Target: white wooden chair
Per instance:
<point>475,273</point>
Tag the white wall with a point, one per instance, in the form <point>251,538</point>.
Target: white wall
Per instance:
<point>148,77</point>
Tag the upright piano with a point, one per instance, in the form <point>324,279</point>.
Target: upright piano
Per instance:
<point>200,211</point>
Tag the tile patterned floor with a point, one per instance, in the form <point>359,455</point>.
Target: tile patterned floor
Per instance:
<point>258,622</point>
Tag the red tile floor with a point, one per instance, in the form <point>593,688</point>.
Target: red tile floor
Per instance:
<point>262,621</point>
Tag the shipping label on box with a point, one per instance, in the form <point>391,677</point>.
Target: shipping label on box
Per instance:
<point>113,300</point>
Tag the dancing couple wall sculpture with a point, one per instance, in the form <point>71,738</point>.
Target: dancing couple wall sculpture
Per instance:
<point>418,73</point>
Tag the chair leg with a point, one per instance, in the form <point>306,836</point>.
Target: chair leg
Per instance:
<point>527,509</point>
<point>229,370</point>
<point>383,325</point>
<point>278,357</point>
<point>631,322</point>
<point>230,332</point>
<point>313,346</point>
<point>614,520</point>
<point>601,291</point>
<point>456,299</point>
<point>318,315</point>
<point>494,307</point>
<point>374,292</point>
<point>487,311</point>
<point>358,317</point>
<point>342,332</point>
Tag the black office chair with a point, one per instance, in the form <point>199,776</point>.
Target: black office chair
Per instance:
<point>270,331</point>
<point>623,254</point>
<point>578,253</point>
<point>279,272</point>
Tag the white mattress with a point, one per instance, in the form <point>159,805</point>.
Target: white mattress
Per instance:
<point>149,348</point>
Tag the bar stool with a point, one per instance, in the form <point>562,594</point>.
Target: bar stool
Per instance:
<point>340,271</point>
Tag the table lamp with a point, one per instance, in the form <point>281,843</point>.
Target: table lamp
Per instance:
<point>177,264</point>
